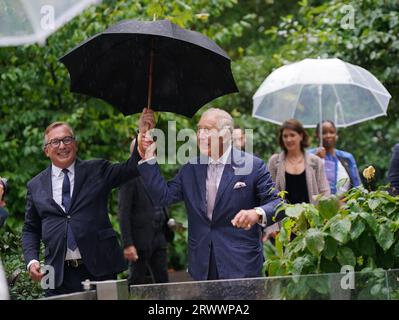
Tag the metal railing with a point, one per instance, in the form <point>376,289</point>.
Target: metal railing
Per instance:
<point>378,284</point>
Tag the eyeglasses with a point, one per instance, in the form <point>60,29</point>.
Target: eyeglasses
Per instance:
<point>55,143</point>
<point>209,131</point>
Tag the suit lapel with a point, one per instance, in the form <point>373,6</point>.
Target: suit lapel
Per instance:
<point>48,189</point>
<point>235,161</point>
<point>200,170</point>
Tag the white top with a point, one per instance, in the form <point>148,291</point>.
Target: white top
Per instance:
<point>343,179</point>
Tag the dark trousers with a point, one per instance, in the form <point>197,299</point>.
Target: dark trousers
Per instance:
<point>73,278</point>
<point>153,261</point>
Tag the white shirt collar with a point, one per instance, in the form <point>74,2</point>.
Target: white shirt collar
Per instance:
<point>56,171</point>
<point>223,159</point>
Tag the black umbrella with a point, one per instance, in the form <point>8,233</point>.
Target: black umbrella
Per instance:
<point>157,64</point>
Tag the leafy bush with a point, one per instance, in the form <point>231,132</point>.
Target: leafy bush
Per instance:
<point>21,286</point>
<point>361,232</point>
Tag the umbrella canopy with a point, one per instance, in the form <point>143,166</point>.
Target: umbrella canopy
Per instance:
<point>32,21</point>
<point>134,64</point>
<point>313,90</point>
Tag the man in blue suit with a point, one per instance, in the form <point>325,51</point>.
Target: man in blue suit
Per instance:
<point>229,195</point>
<point>67,209</point>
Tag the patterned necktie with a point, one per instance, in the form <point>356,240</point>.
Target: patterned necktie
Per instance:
<point>212,187</point>
<point>66,202</point>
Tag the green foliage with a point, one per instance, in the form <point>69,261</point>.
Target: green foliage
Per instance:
<point>34,91</point>
<point>360,233</point>
<point>21,286</point>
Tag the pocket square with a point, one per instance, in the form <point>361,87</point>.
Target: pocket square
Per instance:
<point>239,185</point>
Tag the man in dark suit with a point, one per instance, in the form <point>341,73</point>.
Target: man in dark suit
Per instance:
<point>67,209</point>
<point>145,234</point>
<point>393,173</point>
<point>229,195</point>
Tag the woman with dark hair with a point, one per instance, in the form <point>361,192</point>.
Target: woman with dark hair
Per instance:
<point>294,170</point>
<point>340,166</point>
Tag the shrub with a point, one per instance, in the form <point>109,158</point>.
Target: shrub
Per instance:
<point>360,231</point>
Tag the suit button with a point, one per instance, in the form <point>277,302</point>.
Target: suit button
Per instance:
<point>69,217</point>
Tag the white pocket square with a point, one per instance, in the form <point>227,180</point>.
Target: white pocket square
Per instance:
<point>239,185</point>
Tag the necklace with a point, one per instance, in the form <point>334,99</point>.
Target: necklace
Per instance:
<point>295,161</point>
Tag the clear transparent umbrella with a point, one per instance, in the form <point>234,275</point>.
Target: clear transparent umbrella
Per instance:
<point>313,90</point>
<point>32,21</point>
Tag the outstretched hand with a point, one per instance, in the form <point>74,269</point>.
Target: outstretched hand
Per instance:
<point>34,271</point>
<point>245,219</point>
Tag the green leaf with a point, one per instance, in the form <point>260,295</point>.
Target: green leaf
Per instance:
<point>385,237</point>
<point>276,268</point>
<point>294,211</point>
<point>340,230</point>
<point>375,290</point>
<point>357,229</point>
<point>299,264</point>
<point>396,250</point>
<point>320,283</point>
<point>346,256</point>
<point>314,241</point>
<point>366,245</point>
<point>371,221</point>
<point>328,207</point>
<point>374,203</point>
<point>330,250</point>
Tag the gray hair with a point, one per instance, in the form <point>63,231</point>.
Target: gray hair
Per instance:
<point>55,125</point>
<point>223,118</point>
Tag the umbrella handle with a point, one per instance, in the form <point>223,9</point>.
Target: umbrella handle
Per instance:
<point>149,94</point>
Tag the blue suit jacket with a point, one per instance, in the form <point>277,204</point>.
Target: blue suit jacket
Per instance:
<point>88,215</point>
<point>238,252</point>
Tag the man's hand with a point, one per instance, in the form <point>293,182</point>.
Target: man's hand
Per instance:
<point>130,253</point>
<point>321,152</point>
<point>34,271</point>
<point>147,120</point>
<point>148,146</point>
<point>245,219</point>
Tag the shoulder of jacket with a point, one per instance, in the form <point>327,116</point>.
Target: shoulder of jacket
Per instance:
<point>314,160</point>
<point>274,159</point>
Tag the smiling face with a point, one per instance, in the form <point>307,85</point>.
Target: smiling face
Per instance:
<point>207,134</point>
<point>292,140</point>
<point>329,135</point>
<point>63,155</point>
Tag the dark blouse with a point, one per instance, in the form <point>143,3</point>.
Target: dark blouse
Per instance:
<point>297,188</point>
